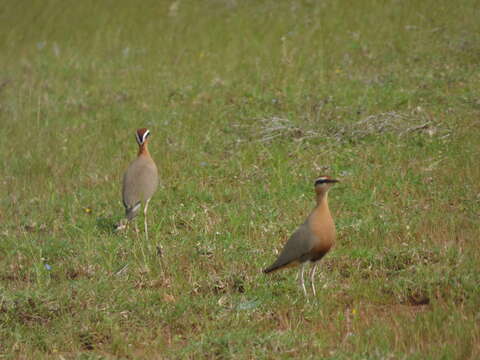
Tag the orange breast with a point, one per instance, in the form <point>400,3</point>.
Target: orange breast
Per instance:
<point>323,227</point>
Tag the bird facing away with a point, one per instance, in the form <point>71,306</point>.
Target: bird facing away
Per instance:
<point>313,239</point>
<point>140,181</point>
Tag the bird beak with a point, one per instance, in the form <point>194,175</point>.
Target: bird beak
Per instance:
<point>332,181</point>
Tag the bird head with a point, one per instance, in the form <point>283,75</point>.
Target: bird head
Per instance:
<point>141,135</point>
<point>323,183</point>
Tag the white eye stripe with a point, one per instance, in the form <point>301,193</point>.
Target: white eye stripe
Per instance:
<point>322,181</point>
<point>145,135</point>
<point>141,140</point>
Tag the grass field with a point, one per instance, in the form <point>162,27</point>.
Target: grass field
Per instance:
<point>248,102</point>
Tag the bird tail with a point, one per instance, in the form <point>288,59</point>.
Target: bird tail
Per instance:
<point>269,269</point>
<point>274,267</point>
<point>131,212</point>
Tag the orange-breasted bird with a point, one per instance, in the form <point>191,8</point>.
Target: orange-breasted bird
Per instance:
<point>313,239</point>
<point>140,181</point>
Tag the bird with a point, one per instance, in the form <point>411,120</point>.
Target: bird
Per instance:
<point>140,181</point>
<point>312,240</point>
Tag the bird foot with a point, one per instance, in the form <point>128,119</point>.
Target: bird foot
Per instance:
<point>120,227</point>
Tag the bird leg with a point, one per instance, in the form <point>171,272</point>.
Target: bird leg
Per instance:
<point>145,219</point>
<point>312,277</point>
<point>302,283</point>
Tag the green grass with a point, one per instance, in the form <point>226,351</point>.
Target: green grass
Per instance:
<point>384,94</point>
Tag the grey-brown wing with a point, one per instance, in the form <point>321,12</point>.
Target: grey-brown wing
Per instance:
<point>148,180</point>
<point>296,248</point>
<point>139,184</point>
<point>130,196</point>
